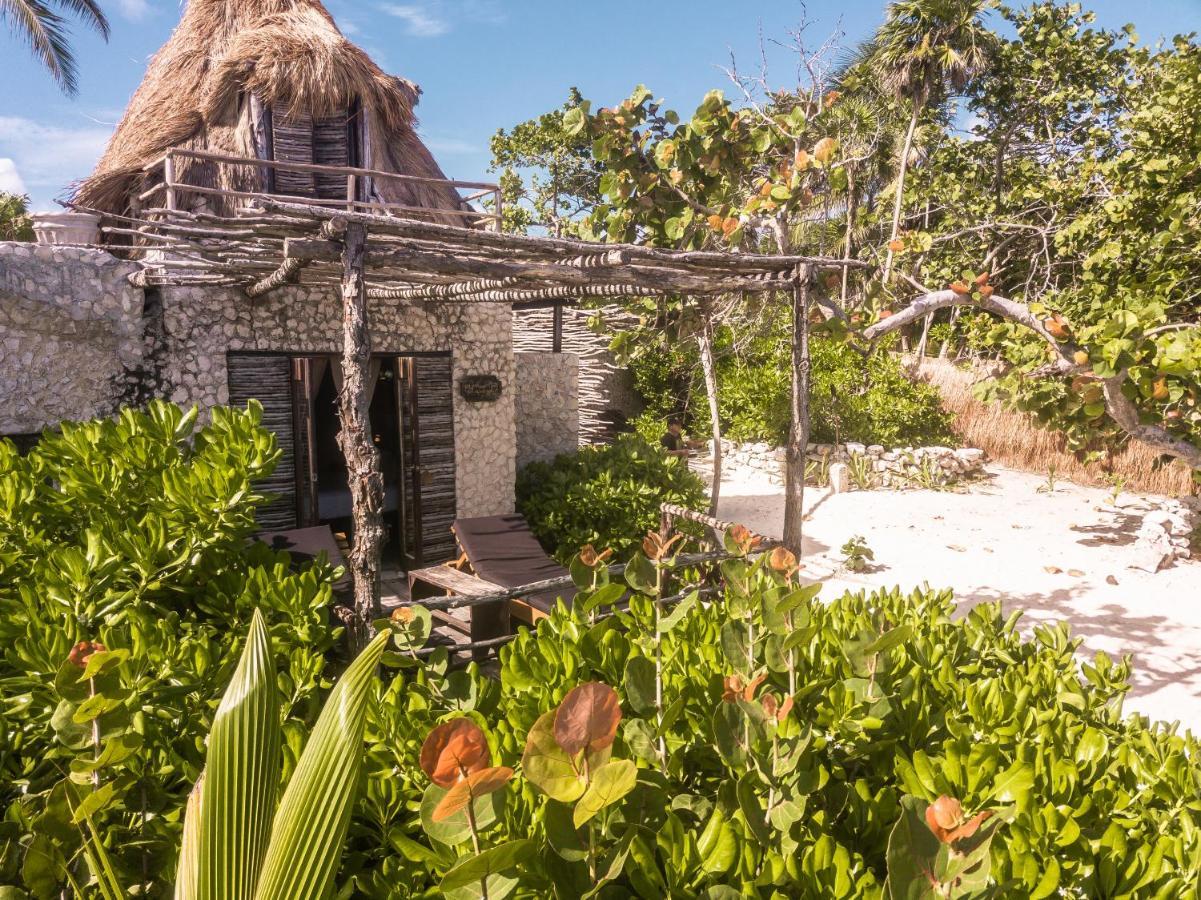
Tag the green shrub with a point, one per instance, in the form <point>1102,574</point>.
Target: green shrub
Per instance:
<point>132,533</point>
<point>735,794</point>
<point>870,400</point>
<point>605,495</point>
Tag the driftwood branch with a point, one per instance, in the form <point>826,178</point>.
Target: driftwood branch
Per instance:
<point>364,475</point>
<point>1120,408</point>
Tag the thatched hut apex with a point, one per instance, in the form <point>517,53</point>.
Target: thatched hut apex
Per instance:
<point>267,80</point>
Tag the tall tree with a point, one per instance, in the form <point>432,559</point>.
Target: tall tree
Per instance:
<point>924,50</point>
<point>37,24</point>
<point>756,178</point>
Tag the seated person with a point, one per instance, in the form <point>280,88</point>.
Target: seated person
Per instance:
<point>674,441</point>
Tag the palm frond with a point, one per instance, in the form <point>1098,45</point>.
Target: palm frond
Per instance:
<point>45,31</point>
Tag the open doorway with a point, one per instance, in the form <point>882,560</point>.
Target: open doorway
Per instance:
<point>412,426</point>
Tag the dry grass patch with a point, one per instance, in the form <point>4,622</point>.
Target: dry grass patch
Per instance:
<point>1015,439</point>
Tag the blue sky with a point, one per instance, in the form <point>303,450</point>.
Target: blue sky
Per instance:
<point>483,64</point>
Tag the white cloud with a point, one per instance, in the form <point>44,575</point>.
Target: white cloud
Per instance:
<point>435,18</point>
<point>420,21</point>
<point>449,145</point>
<point>51,156</point>
<point>134,10</point>
<point>10,178</point>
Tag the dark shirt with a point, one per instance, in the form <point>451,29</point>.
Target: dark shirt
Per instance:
<point>672,442</point>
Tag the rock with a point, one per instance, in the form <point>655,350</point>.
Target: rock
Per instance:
<point>1152,554</point>
<point>840,478</point>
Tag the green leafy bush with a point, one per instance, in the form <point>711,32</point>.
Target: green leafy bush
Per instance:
<point>870,400</point>
<point>604,495</point>
<point>762,743</point>
<point>126,584</point>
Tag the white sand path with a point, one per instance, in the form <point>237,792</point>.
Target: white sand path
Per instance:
<point>994,541</point>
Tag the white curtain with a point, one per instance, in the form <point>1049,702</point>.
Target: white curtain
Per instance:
<point>373,369</point>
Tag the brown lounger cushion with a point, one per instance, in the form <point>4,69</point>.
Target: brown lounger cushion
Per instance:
<point>305,545</point>
<point>503,550</point>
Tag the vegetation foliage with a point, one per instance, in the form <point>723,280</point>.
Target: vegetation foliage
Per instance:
<point>605,495</point>
<point>126,581</point>
<point>1073,197</point>
<point>870,400</point>
<point>758,742</point>
<point>666,732</point>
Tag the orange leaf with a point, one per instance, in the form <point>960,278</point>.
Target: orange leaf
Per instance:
<point>656,548</point>
<point>896,246</point>
<point>476,785</point>
<point>960,288</point>
<point>715,222</point>
<point>968,828</point>
<point>748,692</point>
<point>744,539</point>
<point>590,558</point>
<point>986,290</point>
<point>982,279</point>
<point>732,686</point>
<point>730,226</point>
<point>785,709</point>
<point>943,816</point>
<point>783,560</point>
<point>453,749</point>
<point>587,718</point>
<point>83,651</point>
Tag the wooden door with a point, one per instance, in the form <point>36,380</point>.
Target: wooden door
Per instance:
<point>428,459</point>
<point>268,379</point>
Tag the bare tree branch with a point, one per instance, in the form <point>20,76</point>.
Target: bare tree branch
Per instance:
<point>1118,406</point>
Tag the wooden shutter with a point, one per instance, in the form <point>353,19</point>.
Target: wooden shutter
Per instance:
<point>303,139</point>
<point>427,406</point>
<point>268,379</point>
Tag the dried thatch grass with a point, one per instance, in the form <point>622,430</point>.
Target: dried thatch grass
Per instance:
<point>1014,438</point>
<point>287,52</point>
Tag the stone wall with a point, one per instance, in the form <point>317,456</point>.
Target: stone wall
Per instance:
<point>870,466</point>
<point>201,324</point>
<point>70,335</point>
<point>607,396</point>
<point>547,405</point>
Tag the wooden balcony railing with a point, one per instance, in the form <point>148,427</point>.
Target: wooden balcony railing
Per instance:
<point>171,187</point>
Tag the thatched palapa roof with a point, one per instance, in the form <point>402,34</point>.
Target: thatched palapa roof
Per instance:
<point>290,54</point>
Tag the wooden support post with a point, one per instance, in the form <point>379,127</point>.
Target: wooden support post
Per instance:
<point>169,179</point>
<point>363,470</point>
<point>556,329</point>
<point>796,455</point>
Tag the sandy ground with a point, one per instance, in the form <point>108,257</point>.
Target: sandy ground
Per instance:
<point>995,541</point>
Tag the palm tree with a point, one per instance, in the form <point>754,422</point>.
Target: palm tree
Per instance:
<point>925,50</point>
<point>45,30</point>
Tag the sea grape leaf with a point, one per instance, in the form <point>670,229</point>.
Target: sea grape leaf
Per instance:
<point>587,719</point>
<point>607,786</point>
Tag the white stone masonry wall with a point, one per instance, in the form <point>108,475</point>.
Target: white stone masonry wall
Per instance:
<point>70,335</point>
<point>877,466</point>
<point>547,413</point>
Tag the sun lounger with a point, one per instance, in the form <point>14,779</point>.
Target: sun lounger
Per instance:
<point>497,553</point>
<point>502,550</point>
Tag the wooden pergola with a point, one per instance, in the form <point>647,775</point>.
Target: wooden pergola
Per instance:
<point>273,243</point>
